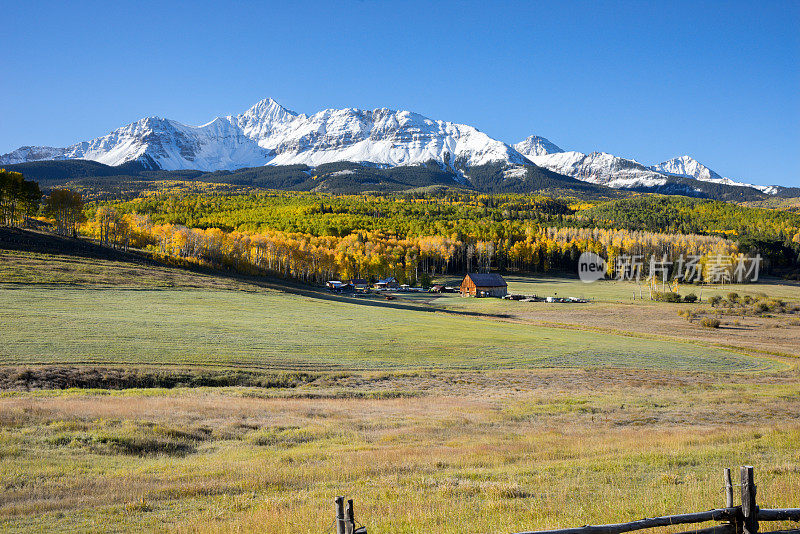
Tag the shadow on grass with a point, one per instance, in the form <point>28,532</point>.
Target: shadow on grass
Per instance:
<point>16,239</point>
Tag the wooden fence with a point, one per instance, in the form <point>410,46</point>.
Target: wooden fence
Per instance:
<point>742,519</point>
<point>345,520</point>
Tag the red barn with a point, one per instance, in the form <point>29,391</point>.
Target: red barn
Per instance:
<point>484,285</point>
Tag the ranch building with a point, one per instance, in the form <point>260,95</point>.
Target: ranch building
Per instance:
<point>484,285</point>
<point>387,283</point>
<point>360,283</point>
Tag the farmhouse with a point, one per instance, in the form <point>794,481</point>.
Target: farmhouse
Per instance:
<point>484,285</point>
<point>360,283</point>
<point>337,285</point>
<point>387,283</point>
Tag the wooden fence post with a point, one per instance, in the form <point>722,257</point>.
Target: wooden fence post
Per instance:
<point>728,488</point>
<point>340,521</point>
<point>749,507</point>
<point>735,522</point>
<point>350,522</point>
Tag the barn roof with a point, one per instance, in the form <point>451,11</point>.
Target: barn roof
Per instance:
<point>487,280</point>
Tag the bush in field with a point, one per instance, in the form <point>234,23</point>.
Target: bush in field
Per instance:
<point>691,297</point>
<point>761,307</point>
<point>710,322</point>
<point>733,297</point>
<point>770,305</point>
<point>666,296</point>
<point>714,300</point>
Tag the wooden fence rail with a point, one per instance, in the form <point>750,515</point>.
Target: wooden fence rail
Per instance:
<point>742,519</point>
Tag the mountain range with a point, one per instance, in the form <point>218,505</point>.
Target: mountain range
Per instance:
<point>269,134</point>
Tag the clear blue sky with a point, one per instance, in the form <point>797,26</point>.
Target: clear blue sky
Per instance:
<point>647,80</point>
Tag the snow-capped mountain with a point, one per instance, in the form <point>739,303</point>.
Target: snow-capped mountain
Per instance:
<point>690,167</point>
<point>384,137</point>
<point>536,146</point>
<point>600,168</point>
<point>268,133</point>
<point>614,171</point>
<point>33,153</point>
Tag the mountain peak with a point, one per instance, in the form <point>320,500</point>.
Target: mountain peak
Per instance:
<point>687,166</point>
<point>535,145</point>
<point>263,118</point>
<point>268,108</point>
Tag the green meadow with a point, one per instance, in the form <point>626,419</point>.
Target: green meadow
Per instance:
<point>275,330</point>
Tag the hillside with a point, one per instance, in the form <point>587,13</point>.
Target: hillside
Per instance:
<point>99,180</point>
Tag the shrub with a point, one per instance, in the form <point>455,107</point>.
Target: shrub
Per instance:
<point>710,322</point>
<point>761,307</point>
<point>691,297</point>
<point>714,300</point>
<point>778,304</point>
<point>733,297</point>
<point>666,296</point>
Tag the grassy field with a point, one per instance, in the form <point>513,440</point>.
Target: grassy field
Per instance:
<point>615,291</point>
<point>273,330</point>
<point>613,310</point>
<point>499,452</point>
<point>529,416</point>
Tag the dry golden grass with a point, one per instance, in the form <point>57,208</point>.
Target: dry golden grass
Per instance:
<point>471,452</point>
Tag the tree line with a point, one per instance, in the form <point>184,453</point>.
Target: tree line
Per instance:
<point>21,199</point>
<point>373,255</point>
<point>503,232</point>
<point>414,237</point>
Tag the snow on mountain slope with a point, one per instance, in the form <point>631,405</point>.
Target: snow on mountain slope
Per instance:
<point>267,133</point>
<point>263,119</point>
<point>600,168</point>
<point>387,137</point>
<point>32,153</point>
<point>172,145</point>
<point>688,166</point>
<point>536,146</point>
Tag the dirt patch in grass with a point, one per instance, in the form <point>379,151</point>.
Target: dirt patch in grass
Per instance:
<point>59,377</point>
